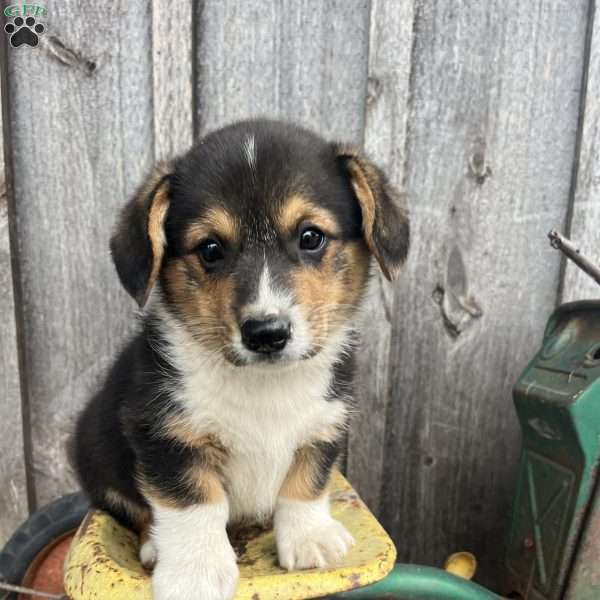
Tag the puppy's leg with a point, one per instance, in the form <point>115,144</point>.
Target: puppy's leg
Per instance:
<point>195,559</point>
<point>306,534</point>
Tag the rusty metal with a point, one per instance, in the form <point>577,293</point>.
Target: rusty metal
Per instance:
<point>570,250</point>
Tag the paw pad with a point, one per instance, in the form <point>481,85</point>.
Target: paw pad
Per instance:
<point>24,31</point>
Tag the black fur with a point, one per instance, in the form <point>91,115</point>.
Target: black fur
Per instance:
<point>120,439</point>
<point>130,246</point>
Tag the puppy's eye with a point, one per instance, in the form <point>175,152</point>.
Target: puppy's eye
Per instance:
<point>211,252</point>
<point>311,239</point>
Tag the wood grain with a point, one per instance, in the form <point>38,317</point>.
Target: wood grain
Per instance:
<point>172,25</point>
<point>391,37</point>
<point>472,107</point>
<point>13,483</point>
<point>81,114</point>
<point>584,224</point>
<point>301,60</point>
<point>492,123</point>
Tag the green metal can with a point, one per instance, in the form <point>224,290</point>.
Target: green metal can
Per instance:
<point>557,399</point>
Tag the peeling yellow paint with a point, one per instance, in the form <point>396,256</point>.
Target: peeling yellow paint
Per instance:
<point>103,561</point>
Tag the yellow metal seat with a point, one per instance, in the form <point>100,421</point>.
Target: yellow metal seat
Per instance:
<point>103,561</point>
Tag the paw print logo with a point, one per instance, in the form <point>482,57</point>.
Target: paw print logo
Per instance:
<point>24,31</point>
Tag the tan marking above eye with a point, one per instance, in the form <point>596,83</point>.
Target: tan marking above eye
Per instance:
<point>297,209</point>
<point>216,222</point>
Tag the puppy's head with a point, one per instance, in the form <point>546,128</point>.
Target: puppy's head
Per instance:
<point>258,240</point>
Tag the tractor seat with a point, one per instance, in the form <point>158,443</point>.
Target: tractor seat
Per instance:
<point>103,563</point>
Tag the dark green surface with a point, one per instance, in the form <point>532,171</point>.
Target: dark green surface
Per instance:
<point>558,404</point>
<point>413,582</point>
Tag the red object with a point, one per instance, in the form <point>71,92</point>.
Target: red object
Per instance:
<point>45,573</point>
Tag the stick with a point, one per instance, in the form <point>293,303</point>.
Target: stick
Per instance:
<point>569,249</point>
<point>23,590</point>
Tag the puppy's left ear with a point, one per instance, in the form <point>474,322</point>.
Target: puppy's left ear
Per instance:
<point>138,244</point>
<point>385,221</point>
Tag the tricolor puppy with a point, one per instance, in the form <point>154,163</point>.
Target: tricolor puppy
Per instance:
<point>250,255</point>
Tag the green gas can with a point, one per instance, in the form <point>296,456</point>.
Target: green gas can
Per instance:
<point>552,551</point>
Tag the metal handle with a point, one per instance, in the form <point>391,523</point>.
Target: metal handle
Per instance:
<point>571,251</point>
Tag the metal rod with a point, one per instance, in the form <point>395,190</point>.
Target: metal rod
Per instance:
<point>571,251</point>
<point>23,590</point>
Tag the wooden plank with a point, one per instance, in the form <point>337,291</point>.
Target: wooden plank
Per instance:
<point>172,24</point>
<point>82,133</point>
<point>493,113</point>
<point>391,34</point>
<point>584,223</point>
<point>13,484</point>
<point>300,60</point>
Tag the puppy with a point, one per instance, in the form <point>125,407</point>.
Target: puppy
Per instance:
<point>250,254</point>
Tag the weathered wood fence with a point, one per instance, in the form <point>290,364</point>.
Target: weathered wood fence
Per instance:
<point>485,111</point>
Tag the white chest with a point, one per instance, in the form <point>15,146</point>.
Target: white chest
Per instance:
<point>262,418</point>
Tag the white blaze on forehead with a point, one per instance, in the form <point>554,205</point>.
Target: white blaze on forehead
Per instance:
<point>249,148</point>
<point>274,301</point>
<point>270,300</point>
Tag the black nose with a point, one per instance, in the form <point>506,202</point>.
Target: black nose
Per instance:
<point>266,335</point>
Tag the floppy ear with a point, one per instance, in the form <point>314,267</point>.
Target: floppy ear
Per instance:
<point>384,219</point>
<point>138,244</point>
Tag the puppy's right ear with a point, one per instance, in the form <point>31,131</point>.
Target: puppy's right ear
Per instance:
<point>138,244</point>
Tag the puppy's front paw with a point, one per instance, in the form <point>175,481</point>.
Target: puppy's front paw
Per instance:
<point>320,546</point>
<point>212,577</point>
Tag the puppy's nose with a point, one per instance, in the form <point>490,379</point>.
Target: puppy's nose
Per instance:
<point>266,335</point>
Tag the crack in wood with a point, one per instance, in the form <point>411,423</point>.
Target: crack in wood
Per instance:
<point>478,168</point>
<point>457,307</point>
<point>69,57</point>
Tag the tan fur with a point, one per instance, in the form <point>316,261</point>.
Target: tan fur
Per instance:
<point>213,451</point>
<point>298,208</point>
<point>153,496</point>
<point>156,232</point>
<point>301,480</point>
<point>368,207</point>
<point>368,187</point>
<point>216,222</point>
<point>204,302</point>
<point>140,515</point>
<point>329,292</point>
<point>204,475</point>
<point>203,480</point>
<point>208,483</point>
<point>372,192</point>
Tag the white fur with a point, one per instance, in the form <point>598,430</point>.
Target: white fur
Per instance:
<point>148,554</point>
<point>307,536</point>
<point>195,558</point>
<point>270,301</point>
<point>261,414</point>
<point>249,149</point>
<point>273,301</point>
